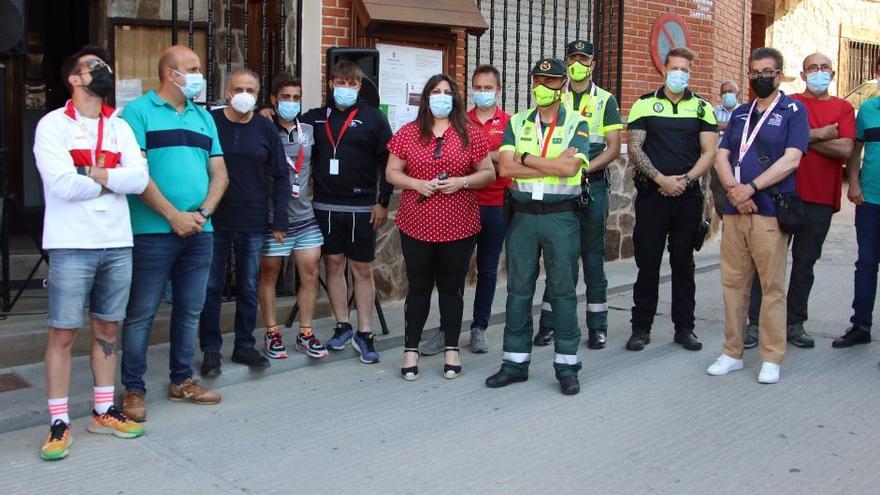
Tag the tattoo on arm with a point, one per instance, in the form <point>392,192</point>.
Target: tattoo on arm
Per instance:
<point>109,348</point>
<point>637,154</point>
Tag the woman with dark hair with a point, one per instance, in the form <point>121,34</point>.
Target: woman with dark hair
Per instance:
<point>438,160</point>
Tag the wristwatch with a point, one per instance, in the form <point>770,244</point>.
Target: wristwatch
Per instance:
<point>206,213</point>
<point>754,186</point>
<point>688,180</point>
<point>464,182</point>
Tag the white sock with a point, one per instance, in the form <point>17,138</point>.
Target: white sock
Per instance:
<point>58,410</point>
<point>103,398</point>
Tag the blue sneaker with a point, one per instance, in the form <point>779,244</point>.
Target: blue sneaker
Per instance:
<point>363,343</point>
<point>341,335</point>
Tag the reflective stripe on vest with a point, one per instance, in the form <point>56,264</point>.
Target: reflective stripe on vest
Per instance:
<point>525,132</point>
<point>592,108</point>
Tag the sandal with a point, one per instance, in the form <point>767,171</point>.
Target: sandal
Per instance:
<point>411,373</point>
<point>451,371</point>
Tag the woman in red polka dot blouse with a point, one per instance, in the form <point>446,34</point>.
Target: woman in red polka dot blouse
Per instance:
<point>438,160</point>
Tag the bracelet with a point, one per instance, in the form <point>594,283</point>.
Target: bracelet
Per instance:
<point>522,158</point>
<point>754,186</point>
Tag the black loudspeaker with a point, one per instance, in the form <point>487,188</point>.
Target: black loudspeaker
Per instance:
<point>12,29</point>
<point>368,60</point>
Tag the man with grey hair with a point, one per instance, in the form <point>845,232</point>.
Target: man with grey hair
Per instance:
<point>819,180</point>
<point>257,175</point>
<point>729,100</point>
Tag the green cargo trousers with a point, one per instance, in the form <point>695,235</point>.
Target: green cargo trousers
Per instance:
<point>556,236</point>
<point>593,225</point>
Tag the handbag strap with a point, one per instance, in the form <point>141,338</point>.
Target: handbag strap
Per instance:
<point>764,161</point>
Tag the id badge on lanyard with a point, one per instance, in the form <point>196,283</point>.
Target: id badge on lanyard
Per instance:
<point>748,138</point>
<point>334,162</point>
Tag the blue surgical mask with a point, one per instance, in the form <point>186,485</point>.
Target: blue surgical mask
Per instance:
<point>193,85</point>
<point>441,105</point>
<point>677,80</point>
<point>484,99</point>
<point>345,97</point>
<point>818,81</point>
<point>728,100</point>
<point>288,110</point>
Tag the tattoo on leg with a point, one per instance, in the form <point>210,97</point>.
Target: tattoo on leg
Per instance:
<point>108,347</point>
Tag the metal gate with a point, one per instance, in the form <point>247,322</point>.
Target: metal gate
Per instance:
<point>271,30</point>
<point>523,31</point>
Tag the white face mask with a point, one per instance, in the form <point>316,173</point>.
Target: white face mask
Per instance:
<point>243,102</point>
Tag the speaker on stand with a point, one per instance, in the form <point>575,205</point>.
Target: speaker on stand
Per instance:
<point>368,60</point>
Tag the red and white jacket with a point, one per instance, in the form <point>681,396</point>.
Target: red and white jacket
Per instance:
<point>80,213</point>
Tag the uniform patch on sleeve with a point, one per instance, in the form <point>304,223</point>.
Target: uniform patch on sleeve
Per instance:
<point>583,134</point>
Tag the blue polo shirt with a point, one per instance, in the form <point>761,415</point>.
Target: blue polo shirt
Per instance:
<point>178,148</point>
<point>868,131</point>
<point>786,127</point>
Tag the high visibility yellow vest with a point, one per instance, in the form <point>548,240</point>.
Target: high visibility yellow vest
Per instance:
<point>525,131</point>
<point>592,107</point>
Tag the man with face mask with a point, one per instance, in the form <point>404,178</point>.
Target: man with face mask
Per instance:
<point>257,169</point>
<point>351,200</point>
<point>600,108</point>
<point>171,224</point>
<point>88,161</point>
<point>819,182</point>
<point>545,150</point>
<point>672,141</point>
<point>729,100</point>
<point>759,153</point>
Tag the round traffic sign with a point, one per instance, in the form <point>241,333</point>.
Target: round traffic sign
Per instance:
<point>669,31</point>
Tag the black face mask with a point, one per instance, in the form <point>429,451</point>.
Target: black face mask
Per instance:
<point>102,82</point>
<point>763,86</point>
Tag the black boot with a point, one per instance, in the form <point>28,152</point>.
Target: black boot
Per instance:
<point>688,340</point>
<point>211,364</point>
<point>596,339</point>
<point>503,379</point>
<point>544,336</point>
<point>569,385</point>
<point>638,340</point>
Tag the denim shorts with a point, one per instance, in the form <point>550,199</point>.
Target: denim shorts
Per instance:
<point>100,276</point>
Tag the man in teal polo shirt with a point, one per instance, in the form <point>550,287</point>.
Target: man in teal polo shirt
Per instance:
<point>171,225</point>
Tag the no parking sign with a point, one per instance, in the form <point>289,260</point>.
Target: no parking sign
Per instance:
<point>670,31</point>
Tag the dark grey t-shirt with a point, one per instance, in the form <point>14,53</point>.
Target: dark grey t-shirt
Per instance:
<point>299,207</point>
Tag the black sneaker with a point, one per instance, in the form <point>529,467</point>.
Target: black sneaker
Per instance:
<point>250,358</point>
<point>799,337</point>
<point>750,339</point>
<point>638,340</point>
<point>211,364</point>
<point>688,340</point>
<point>544,336</point>
<point>854,335</point>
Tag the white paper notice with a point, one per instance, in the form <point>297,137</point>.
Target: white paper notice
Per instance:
<point>403,71</point>
<point>127,90</point>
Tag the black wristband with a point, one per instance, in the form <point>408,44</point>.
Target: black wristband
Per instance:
<point>522,158</point>
<point>754,186</point>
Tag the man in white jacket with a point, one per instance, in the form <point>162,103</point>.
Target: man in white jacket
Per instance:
<point>88,160</point>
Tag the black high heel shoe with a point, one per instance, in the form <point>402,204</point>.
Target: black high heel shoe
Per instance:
<point>451,371</point>
<point>411,373</point>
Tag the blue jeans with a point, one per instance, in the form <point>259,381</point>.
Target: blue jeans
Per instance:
<point>158,257</point>
<point>868,238</point>
<point>490,240</point>
<point>246,246</point>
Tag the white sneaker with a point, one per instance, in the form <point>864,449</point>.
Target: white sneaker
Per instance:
<point>769,373</point>
<point>724,365</point>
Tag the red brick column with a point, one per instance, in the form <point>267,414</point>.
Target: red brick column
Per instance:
<point>335,29</point>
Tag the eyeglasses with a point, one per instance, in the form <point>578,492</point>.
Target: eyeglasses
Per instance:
<point>818,68</point>
<point>766,73</point>
<point>438,151</point>
<point>93,65</point>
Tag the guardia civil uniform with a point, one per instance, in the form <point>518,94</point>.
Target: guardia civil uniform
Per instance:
<point>544,223</point>
<point>600,108</point>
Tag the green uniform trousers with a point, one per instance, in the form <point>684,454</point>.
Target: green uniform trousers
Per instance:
<point>557,237</point>
<point>593,225</point>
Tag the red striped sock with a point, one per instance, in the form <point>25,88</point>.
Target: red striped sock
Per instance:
<point>58,410</point>
<point>103,398</point>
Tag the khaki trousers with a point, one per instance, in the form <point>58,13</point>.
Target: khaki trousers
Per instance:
<point>750,243</point>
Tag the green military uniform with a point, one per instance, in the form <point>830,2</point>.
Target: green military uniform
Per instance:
<point>600,108</point>
<point>545,223</point>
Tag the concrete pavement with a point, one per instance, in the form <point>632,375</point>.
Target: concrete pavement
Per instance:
<point>648,422</point>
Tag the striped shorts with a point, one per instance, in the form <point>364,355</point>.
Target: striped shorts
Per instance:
<point>300,235</point>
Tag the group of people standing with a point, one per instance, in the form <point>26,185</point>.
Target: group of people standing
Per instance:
<point>166,191</point>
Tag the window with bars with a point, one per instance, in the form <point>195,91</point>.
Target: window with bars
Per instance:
<point>858,63</point>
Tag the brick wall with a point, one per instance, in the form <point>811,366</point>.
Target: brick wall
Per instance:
<point>717,41</point>
<point>335,30</point>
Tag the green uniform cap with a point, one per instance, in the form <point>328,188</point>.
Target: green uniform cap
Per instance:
<point>552,67</point>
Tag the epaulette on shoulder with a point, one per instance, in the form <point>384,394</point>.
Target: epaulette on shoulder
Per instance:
<point>647,95</point>
<point>703,101</point>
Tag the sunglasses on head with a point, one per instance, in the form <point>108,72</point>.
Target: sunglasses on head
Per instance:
<point>94,64</point>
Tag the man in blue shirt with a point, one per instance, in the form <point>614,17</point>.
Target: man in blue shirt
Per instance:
<point>759,153</point>
<point>171,225</point>
<point>257,170</point>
